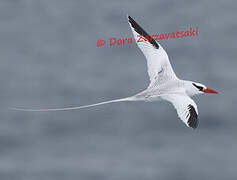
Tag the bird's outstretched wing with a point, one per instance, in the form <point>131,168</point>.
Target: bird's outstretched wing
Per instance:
<point>158,65</point>
<point>186,108</point>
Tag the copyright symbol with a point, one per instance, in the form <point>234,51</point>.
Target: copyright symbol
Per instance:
<point>100,43</point>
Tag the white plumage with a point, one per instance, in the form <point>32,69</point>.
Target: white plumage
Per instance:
<point>164,84</point>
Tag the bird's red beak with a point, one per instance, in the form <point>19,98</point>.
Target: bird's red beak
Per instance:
<point>208,90</point>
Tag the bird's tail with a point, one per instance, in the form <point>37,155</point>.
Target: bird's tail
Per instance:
<point>74,108</point>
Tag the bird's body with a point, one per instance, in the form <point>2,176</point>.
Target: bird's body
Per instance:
<point>164,84</point>
<point>156,91</point>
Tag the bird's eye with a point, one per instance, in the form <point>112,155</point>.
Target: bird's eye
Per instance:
<point>200,88</point>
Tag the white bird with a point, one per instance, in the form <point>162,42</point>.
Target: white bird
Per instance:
<point>164,84</point>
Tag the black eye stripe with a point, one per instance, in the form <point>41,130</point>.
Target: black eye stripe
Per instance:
<point>198,87</point>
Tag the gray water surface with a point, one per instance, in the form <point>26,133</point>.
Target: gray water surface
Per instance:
<point>49,58</point>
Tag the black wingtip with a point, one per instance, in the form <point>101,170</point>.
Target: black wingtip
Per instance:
<point>129,18</point>
<point>141,31</point>
<point>193,118</point>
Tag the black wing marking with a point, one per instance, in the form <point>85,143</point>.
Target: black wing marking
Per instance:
<point>193,117</point>
<point>142,32</point>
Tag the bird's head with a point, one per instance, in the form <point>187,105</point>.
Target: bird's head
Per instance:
<point>193,88</point>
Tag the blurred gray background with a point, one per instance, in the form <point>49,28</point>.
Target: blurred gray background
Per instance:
<point>49,58</point>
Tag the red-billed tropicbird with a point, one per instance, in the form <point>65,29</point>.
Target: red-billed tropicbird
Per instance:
<point>164,84</point>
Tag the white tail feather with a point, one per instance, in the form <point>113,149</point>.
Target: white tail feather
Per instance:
<point>73,108</point>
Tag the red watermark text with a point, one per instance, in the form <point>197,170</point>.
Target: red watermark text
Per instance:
<point>191,32</point>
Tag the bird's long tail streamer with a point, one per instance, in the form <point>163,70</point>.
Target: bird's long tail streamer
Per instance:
<point>73,108</point>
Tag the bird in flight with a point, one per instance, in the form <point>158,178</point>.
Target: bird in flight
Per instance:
<point>164,84</point>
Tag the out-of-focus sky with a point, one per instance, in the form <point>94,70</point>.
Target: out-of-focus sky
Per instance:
<point>49,58</point>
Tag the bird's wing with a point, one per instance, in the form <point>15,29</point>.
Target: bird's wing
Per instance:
<point>186,108</point>
<point>158,65</point>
